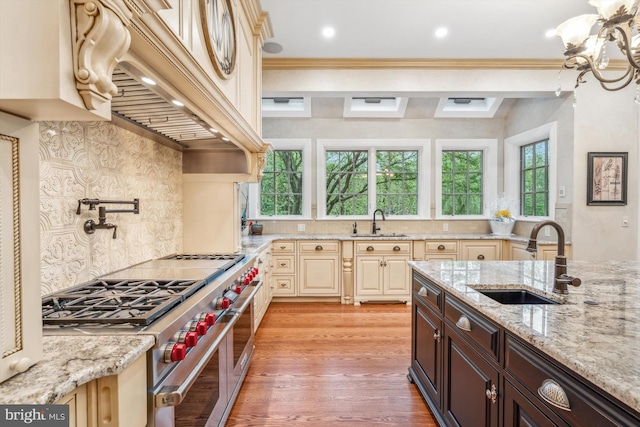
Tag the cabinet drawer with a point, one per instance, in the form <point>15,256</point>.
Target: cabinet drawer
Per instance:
<point>319,246</point>
<point>442,246</point>
<point>588,407</point>
<point>284,285</point>
<point>395,248</point>
<point>427,292</point>
<point>283,264</point>
<point>482,331</point>
<point>283,246</point>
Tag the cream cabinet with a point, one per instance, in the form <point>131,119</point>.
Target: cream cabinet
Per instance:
<point>111,401</point>
<point>319,268</point>
<point>263,297</point>
<point>546,251</point>
<point>382,272</point>
<point>283,267</point>
<point>480,250</point>
<point>441,250</point>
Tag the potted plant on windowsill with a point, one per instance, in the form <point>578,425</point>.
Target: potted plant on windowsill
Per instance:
<point>501,220</point>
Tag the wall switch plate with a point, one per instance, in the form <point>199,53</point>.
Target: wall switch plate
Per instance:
<point>547,232</point>
<point>625,221</point>
<point>445,226</point>
<point>561,191</point>
<point>301,227</point>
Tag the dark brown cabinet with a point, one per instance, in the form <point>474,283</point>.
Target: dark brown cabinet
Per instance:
<point>520,412</point>
<point>426,360</point>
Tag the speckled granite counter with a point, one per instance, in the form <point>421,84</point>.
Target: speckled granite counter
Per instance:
<point>600,342</point>
<point>70,361</point>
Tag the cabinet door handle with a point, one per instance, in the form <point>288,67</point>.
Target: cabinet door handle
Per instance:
<point>492,394</point>
<point>436,335</point>
<point>553,394</point>
<point>396,248</point>
<point>480,257</point>
<point>441,247</point>
<point>464,323</point>
<point>369,248</point>
<point>318,248</point>
<point>385,263</point>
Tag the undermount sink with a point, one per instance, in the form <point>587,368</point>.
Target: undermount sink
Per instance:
<point>515,296</point>
<point>379,235</point>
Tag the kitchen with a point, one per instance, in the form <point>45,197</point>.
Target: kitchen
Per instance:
<point>81,158</point>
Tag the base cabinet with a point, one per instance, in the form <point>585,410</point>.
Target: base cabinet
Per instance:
<point>263,297</point>
<point>521,412</point>
<point>319,268</point>
<point>382,271</point>
<point>426,351</point>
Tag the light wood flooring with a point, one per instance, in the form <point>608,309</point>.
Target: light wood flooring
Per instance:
<point>327,364</point>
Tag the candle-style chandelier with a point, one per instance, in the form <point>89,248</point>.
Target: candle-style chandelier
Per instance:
<point>586,37</point>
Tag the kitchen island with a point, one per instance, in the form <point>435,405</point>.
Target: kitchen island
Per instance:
<point>593,333</point>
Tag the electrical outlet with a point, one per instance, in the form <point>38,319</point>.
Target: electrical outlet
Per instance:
<point>547,232</point>
<point>561,192</point>
<point>445,226</point>
<point>301,227</point>
<point>625,221</point>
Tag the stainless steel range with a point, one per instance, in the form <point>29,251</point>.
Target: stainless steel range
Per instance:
<point>199,308</point>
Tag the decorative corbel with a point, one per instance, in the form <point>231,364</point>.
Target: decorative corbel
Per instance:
<point>262,158</point>
<point>100,39</point>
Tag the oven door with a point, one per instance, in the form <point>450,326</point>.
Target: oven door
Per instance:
<point>195,393</point>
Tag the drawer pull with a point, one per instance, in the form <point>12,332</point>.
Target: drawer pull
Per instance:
<point>553,394</point>
<point>369,248</point>
<point>423,292</point>
<point>464,323</point>
<point>480,257</point>
<point>437,336</point>
<point>283,264</point>
<point>318,248</point>
<point>396,248</point>
<point>283,247</point>
<point>492,394</point>
<point>283,285</point>
<point>441,247</point>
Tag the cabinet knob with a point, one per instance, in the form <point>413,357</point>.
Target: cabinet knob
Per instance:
<point>480,257</point>
<point>318,248</point>
<point>437,336</point>
<point>369,248</point>
<point>441,247</point>
<point>396,248</point>
<point>492,394</point>
<point>553,394</point>
<point>464,323</point>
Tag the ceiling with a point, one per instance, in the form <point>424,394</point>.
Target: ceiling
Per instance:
<point>405,29</point>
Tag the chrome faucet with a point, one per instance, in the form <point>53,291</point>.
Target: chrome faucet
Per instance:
<point>374,228</point>
<point>561,279</point>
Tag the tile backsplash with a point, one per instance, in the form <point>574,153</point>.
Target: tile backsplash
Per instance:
<point>100,160</point>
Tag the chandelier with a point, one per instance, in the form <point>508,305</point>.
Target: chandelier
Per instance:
<point>585,40</point>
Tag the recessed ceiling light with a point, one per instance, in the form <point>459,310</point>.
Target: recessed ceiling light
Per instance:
<point>328,32</point>
<point>178,103</point>
<point>441,32</point>
<point>148,81</point>
<point>550,33</point>
<point>272,47</point>
<point>214,130</point>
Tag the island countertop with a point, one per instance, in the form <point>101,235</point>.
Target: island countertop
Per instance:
<point>595,331</point>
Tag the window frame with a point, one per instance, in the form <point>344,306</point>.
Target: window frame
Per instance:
<point>287,144</point>
<point>489,148</point>
<point>512,150</point>
<point>423,146</point>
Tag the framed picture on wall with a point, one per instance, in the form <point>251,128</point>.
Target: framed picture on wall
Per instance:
<point>607,179</point>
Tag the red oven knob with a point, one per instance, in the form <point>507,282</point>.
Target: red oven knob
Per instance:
<point>222,303</point>
<point>247,279</point>
<point>255,271</point>
<point>174,352</point>
<point>189,338</point>
<point>238,289</point>
<point>199,327</point>
<point>208,318</point>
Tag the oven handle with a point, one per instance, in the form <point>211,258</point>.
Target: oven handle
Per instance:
<point>174,395</point>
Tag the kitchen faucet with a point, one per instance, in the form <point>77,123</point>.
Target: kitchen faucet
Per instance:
<point>561,279</point>
<point>374,228</point>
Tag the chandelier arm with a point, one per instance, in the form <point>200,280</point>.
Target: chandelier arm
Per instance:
<point>598,75</point>
<point>625,46</point>
<point>622,85</point>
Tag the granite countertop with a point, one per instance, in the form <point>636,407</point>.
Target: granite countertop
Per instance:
<point>70,361</point>
<point>600,342</point>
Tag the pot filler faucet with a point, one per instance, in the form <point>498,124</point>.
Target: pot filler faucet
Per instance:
<point>561,278</point>
<point>90,226</point>
<point>374,228</point>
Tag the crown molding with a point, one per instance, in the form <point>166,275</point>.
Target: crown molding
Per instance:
<point>427,64</point>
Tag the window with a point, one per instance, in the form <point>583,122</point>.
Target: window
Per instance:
<point>462,182</point>
<point>466,177</point>
<point>357,177</point>
<point>530,173</point>
<point>534,172</point>
<point>285,187</point>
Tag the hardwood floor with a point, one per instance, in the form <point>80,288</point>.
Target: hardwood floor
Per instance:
<point>323,364</point>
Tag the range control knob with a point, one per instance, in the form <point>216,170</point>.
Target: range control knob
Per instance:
<point>255,271</point>
<point>174,352</point>
<point>198,326</point>
<point>188,338</point>
<point>208,318</point>
<point>238,289</point>
<point>222,303</point>
<point>247,280</point>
